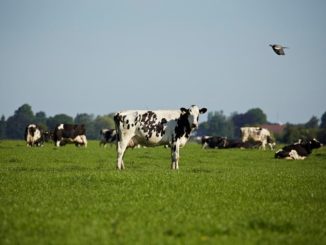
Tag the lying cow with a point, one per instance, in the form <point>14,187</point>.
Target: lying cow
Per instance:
<point>213,142</point>
<point>34,135</point>
<point>107,136</point>
<point>299,150</point>
<point>70,133</point>
<point>237,143</point>
<point>225,143</point>
<point>257,134</point>
<point>251,144</point>
<point>152,128</point>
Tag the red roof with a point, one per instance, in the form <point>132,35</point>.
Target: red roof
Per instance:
<point>274,128</point>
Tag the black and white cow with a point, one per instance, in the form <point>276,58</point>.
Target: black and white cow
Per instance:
<point>213,142</point>
<point>107,136</point>
<point>69,133</point>
<point>34,135</point>
<point>225,143</point>
<point>299,150</point>
<point>152,128</point>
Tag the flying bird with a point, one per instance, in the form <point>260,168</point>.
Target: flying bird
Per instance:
<point>278,49</point>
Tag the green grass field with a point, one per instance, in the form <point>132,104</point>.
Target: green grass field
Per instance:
<point>74,195</point>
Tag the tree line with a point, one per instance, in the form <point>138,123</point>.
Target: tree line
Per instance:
<point>217,124</point>
<point>14,126</point>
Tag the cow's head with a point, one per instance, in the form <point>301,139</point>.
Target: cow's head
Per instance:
<point>32,129</point>
<point>314,144</point>
<point>193,115</point>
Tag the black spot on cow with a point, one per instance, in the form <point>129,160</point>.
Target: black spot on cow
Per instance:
<point>149,124</point>
<point>183,128</point>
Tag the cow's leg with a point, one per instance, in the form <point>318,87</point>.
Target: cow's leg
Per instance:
<point>204,145</point>
<point>57,143</point>
<point>175,155</point>
<point>121,148</point>
<point>84,139</point>
<point>270,146</point>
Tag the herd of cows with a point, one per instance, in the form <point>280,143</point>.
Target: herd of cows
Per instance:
<point>171,128</point>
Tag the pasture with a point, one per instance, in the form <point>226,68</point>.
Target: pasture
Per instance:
<point>74,195</point>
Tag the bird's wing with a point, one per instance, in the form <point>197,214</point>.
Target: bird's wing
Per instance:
<point>281,52</point>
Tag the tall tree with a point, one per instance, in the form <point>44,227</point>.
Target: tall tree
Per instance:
<point>255,116</point>
<point>323,121</point>
<point>322,129</point>
<point>252,117</point>
<point>17,123</point>
<point>312,123</point>
<point>105,121</point>
<point>293,133</point>
<point>40,119</point>
<point>3,124</point>
<point>58,119</point>
<point>217,124</point>
<point>88,121</point>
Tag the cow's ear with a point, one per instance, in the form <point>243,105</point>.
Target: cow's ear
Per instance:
<point>202,110</point>
<point>183,110</point>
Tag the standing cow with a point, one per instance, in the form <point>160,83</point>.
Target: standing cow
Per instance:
<point>257,134</point>
<point>69,133</point>
<point>152,128</point>
<point>34,135</point>
<point>107,136</point>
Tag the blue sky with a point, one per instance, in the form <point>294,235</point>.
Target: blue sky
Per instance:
<point>104,56</point>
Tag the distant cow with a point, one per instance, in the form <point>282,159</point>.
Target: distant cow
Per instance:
<point>213,142</point>
<point>152,128</point>
<point>70,133</point>
<point>225,143</point>
<point>299,150</point>
<point>107,136</point>
<point>257,134</point>
<point>34,135</point>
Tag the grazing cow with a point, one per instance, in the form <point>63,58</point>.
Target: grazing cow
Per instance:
<point>299,150</point>
<point>34,135</point>
<point>152,128</point>
<point>213,142</point>
<point>257,134</point>
<point>69,133</point>
<point>107,136</point>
